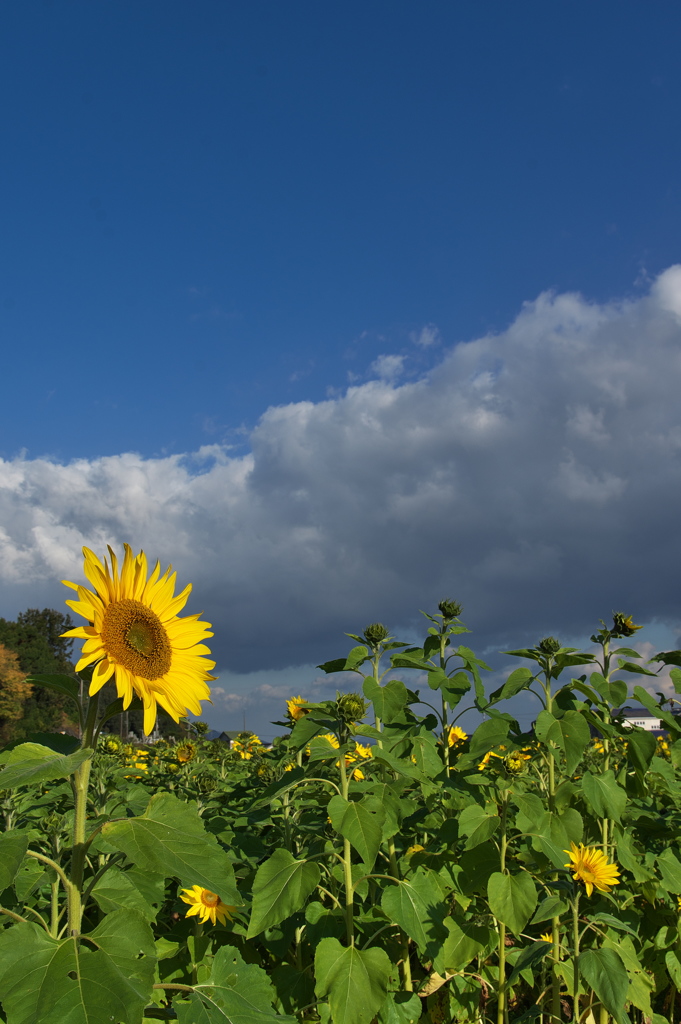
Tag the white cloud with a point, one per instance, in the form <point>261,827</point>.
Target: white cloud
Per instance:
<point>427,336</point>
<point>534,475</point>
<point>388,367</point>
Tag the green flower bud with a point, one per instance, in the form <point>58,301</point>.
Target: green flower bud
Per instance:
<point>111,744</point>
<point>549,645</point>
<point>375,633</point>
<point>623,625</point>
<point>450,609</point>
<point>351,707</point>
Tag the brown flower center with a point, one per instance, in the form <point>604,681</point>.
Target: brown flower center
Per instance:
<point>209,899</point>
<point>134,637</point>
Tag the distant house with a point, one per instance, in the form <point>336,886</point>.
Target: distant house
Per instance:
<point>640,717</point>
<point>224,737</point>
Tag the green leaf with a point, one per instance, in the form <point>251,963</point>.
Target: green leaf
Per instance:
<point>641,746</point>
<point>400,1008</point>
<point>363,829</point>
<point>234,993</point>
<point>643,697</point>
<point>570,733</point>
<point>355,980</point>
<point>282,885</point>
<point>405,904</point>
<point>116,890</point>
<point>107,976</point>
<point>630,666</point>
<point>552,906</point>
<point>13,847</point>
<point>488,735</point>
<point>170,840</point>
<point>530,956</point>
<point>61,684</point>
<point>670,869</point>
<point>32,763</point>
<point>463,943</point>
<point>604,795</point>
<point>604,971</point>
<point>388,700</point>
<point>518,680</point>
<point>512,899</point>
<point>425,754</point>
<point>673,964</point>
<point>477,825</point>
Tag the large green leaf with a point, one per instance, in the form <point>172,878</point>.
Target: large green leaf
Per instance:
<point>400,1008</point>
<point>411,907</point>
<point>570,733</point>
<point>107,976</point>
<point>477,824</point>
<point>32,763</point>
<point>518,680</point>
<point>463,943</point>
<point>388,700</point>
<point>361,823</point>
<point>282,885</point>
<point>169,839</point>
<point>604,971</point>
<point>355,980</point>
<point>67,685</point>
<point>512,899</point>
<point>488,735</point>
<point>234,993</point>
<point>116,889</point>
<point>604,795</point>
<point>13,847</point>
<point>670,869</point>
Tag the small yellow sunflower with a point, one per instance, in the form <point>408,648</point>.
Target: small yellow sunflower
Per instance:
<point>546,937</point>
<point>293,706</point>
<point>588,864</point>
<point>134,632</point>
<point>206,905</point>
<point>245,745</point>
<point>456,735</point>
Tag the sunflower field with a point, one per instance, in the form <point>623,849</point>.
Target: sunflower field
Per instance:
<point>375,864</point>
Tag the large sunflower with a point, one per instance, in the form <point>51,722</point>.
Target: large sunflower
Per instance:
<point>135,633</point>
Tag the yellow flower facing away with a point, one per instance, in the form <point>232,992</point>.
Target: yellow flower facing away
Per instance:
<point>590,865</point>
<point>546,937</point>
<point>206,905</point>
<point>246,746</point>
<point>455,736</point>
<point>416,848</point>
<point>134,634</point>
<point>486,760</point>
<point>293,706</point>
<point>515,763</point>
<point>186,752</point>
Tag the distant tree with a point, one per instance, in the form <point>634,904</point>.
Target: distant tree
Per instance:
<point>14,692</point>
<point>36,639</point>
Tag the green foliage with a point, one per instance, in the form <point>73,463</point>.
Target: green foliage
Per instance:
<point>406,874</point>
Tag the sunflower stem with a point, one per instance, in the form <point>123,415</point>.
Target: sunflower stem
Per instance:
<point>347,862</point>
<point>575,933</point>
<point>81,780</point>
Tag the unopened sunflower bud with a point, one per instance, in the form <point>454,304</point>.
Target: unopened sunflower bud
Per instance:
<point>111,744</point>
<point>375,633</point>
<point>450,609</point>
<point>351,707</point>
<point>549,645</point>
<point>515,763</point>
<point>623,625</point>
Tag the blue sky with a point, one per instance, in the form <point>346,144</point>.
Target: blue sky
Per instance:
<point>234,233</point>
